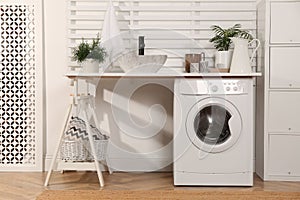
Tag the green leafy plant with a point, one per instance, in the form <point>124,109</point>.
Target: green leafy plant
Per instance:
<point>85,50</point>
<point>222,40</point>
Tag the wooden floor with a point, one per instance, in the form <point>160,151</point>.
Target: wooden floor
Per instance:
<point>29,185</point>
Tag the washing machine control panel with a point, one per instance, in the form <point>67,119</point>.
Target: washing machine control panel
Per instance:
<point>226,87</point>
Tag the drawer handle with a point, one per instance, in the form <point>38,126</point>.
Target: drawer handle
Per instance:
<point>290,129</point>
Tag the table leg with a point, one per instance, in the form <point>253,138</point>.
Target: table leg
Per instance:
<point>107,162</point>
<point>67,118</point>
<point>97,165</point>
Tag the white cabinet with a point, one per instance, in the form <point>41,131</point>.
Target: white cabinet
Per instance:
<point>285,22</point>
<point>284,112</point>
<point>278,91</point>
<point>282,152</point>
<point>285,67</point>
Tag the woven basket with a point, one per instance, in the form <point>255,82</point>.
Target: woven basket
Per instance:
<point>100,147</point>
<point>80,151</point>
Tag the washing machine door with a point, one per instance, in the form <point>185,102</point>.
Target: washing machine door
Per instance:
<point>214,125</point>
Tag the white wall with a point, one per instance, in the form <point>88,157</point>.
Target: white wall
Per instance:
<point>140,125</point>
<point>57,86</point>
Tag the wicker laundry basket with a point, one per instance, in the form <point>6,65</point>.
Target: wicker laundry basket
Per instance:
<point>79,151</point>
<point>100,147</point>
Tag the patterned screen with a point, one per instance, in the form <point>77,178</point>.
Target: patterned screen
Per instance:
<point>17,85</point>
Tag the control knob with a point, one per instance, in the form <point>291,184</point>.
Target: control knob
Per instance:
<point>214,88</point>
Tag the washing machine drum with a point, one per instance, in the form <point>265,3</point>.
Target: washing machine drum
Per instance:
<point>211,124</point>
<point>214,125</point>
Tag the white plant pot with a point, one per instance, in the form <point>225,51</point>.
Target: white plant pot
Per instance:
<point>223,59</point>
<point>90,66</point>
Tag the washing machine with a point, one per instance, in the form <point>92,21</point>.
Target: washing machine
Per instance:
<point>213,131</point>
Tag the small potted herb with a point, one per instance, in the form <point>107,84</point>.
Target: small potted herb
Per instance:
<point>89,55</point>
<point>222,43</point>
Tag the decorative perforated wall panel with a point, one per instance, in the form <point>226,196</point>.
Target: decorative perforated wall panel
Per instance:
<point>17,85</point>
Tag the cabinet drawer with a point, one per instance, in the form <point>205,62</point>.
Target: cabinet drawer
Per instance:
<point>285,67</point>
<point>285,23</point>
<point>284,112</point>
<point>284,155</point>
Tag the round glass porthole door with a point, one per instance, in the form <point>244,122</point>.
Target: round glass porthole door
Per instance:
<point>214,125</point>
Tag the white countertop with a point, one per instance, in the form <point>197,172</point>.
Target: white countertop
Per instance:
<point>162,73</point>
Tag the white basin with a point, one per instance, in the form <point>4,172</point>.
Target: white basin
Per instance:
<point>131,62</point>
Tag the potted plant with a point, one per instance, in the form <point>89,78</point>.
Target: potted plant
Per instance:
<point>222,43</point>
<point>89,56</point>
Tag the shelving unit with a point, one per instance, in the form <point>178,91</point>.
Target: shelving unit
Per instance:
<point>278,91</point>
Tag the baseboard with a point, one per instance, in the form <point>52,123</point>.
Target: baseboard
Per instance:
<point>117,164</point>
<point>123,164</point>
<point>15,168</point>
<point>141,164</point>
